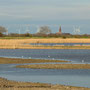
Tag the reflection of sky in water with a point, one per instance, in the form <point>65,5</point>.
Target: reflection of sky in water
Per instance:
<point>72,55</point>
<point>65,44</point>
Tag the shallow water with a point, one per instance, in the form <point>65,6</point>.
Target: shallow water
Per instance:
<point>61,54</point>
<point>67,77</point>
<point>54,44</point>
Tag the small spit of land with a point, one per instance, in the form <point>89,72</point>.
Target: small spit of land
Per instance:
<point>56,66</point>
<point>13,85</point>
<point>25,43</point>
<point>21,61</point>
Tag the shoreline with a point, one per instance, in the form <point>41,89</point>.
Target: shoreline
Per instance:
<point>44,47</point>
<point>22,61</point>
<point>55,66</point>
<point>9,84</point>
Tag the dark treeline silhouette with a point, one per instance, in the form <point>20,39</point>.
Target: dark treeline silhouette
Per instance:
<point>51,35</point>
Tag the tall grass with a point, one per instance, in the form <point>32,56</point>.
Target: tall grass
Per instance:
<point>24,43</point>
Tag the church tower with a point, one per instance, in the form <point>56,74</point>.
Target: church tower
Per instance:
<point>60,30</point>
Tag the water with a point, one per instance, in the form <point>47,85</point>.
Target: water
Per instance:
<point>70,77</point>
<point>54,76</point>
<point>69,54</point>
<point>54,44</point>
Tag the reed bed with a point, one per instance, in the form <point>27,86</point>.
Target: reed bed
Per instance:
<point>24,43</point>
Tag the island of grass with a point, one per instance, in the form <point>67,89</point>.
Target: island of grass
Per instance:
<point>56,66</point>
<point>21,61</point>
<point>13,85</point>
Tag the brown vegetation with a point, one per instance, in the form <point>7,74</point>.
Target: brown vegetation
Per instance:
<point>24,43</point>
<point>13,85</point>
<point>56,66</point>
<point>17,61</point>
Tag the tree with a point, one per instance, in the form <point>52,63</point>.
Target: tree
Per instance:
<point>44,30</point>
<point>1,34</point>
<point>2,29</point>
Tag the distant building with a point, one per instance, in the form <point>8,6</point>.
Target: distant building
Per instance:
<point>60,31</point>
<point>66,34</point>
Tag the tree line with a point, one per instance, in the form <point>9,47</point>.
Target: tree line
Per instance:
<point>43,32</point>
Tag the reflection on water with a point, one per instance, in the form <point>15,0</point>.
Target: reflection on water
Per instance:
<point>65,44</point>
<point>72,55</point>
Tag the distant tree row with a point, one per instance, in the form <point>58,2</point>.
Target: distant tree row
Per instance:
<point>42,32</point>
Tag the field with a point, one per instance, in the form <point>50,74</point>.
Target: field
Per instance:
<point>24,43</point>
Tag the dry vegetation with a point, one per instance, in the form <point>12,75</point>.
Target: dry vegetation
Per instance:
<point>18,61</point>
<point>56,66</point>
<point>24,43</point>
<point>13,85</point>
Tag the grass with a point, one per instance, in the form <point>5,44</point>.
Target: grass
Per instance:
<point>56,66</point>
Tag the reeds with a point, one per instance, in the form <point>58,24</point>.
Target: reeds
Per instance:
<point>25,43</point>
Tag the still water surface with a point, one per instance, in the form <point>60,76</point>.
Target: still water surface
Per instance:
<point>67,77</point>
<point>62,54</point>
<point>54,44</point>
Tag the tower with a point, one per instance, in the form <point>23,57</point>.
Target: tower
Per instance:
<point>60,30</point>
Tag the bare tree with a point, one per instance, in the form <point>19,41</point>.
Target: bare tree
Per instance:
<point>44,30</point>
<point>2,29</point>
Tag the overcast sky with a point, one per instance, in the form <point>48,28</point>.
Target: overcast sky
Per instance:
<point>63,12</point>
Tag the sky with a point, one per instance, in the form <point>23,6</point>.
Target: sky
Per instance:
<point>67,13</point>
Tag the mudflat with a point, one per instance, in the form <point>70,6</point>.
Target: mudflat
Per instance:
<point>56,66</point>
<point>13,85</point>
<point>21,61</point>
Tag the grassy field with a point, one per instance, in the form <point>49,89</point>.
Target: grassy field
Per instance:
<point>13,85</point>
<point>24,43</point>
<point>21,61</point>
<point>56,66</point>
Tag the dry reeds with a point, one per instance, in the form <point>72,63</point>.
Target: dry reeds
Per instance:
<point>25,43</point>
<point>56,66</point>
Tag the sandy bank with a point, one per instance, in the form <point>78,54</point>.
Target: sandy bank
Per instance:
<point>13,85</point>
<point>56,66</point>
<point>21,61</point>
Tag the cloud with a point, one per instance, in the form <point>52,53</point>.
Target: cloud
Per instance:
<point>15,16</point>
<point>45,10</point>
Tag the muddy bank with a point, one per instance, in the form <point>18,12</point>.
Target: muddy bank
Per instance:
<point>56,66</point>
<point>21,61</point>
<point>13,85</point>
